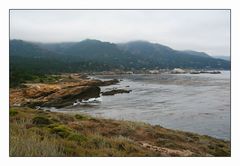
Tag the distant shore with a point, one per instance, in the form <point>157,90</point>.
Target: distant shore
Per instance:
<point>157,71</point>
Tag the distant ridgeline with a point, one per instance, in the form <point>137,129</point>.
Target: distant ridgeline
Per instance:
<point>28,58</point>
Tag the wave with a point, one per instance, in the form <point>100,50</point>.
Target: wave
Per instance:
<point>88,101</point>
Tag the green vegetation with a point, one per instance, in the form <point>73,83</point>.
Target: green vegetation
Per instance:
<point>13,112</point>
<point>33,62</point>
<point>19,76</point>
<point>40,133</point>
<point>81,117</point>
<point>27,59</point>
<point>40,120</point>
<point>60,130</point>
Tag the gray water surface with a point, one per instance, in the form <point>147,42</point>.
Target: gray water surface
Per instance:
<point>196,103</point>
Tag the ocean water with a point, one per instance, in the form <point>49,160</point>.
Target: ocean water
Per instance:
<point>197,103</point>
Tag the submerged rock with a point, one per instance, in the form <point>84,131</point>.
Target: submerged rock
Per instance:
<point>211,72</point>
<point>115,91</point>
<point>194,72</point>
<point>215,72</point>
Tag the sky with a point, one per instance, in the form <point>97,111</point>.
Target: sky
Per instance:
<point>200,30</point>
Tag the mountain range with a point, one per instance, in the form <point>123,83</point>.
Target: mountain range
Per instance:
<point>95,55</point>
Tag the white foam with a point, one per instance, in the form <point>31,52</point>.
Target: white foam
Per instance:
<point>92,100</point>
<point>88,101</point>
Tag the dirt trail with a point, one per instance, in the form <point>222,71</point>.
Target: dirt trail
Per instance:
<point>166,151</point>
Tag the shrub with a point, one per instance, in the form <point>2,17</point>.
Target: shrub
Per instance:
<point>40,120</point>
<point>61,130</point>
<point>77,137</point>
<point>80,117</point>
<point>13,112</point>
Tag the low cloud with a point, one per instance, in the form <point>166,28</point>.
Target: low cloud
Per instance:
<point>200,30</point>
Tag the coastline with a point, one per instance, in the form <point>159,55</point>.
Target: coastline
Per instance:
<point>85,135</point>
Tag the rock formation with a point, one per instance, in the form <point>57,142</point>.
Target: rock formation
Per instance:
<point>115,91</point>
<point>57,95</point>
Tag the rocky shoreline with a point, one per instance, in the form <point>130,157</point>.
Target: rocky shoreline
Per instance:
<point>64,92</point>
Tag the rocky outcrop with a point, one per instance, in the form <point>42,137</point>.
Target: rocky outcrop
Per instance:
<point>89,82</point>
<point>66,97</point>
<point>57,95</point>
<point>115,91</point>
<point>109,82</point>
<point>215,72</point>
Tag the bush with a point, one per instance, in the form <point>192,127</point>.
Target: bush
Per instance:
<point>13,112</point>
<point>80,117</point>
<point>61,130</point>
<point>40,120</point>
<point>77,137</point>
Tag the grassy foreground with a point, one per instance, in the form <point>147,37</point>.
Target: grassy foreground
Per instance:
<point>42,133</point>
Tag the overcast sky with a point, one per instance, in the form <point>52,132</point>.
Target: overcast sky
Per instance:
<point>199,30</point>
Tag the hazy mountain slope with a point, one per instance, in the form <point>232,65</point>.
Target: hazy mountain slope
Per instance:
<point>227,58</point>
<point>95,55</point>
<point>55,47</point>
<point>166,57</point>
<point>30,58</point>
<point>26,56</point>
<point>104,53</point>
<point>27,49</point>
<point>202,54</point>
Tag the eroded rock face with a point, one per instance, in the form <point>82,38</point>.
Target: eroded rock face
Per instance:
<point>39,90</point>
<point>53,98</point>
<point>58,94</point>
<point>66,97</point>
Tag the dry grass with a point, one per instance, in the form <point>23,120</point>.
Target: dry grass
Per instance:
<point>39,133</point>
